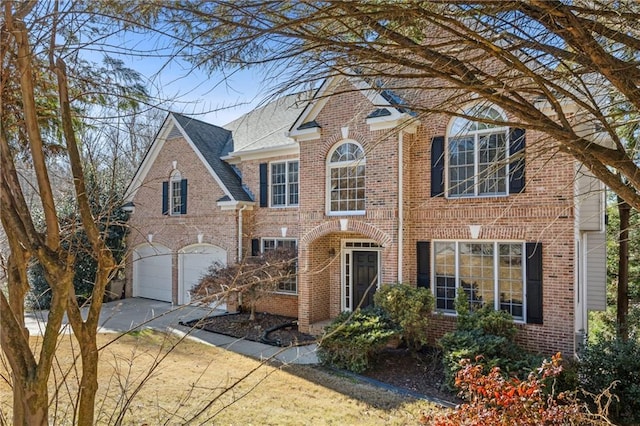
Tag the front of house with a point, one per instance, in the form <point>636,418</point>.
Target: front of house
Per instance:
<point>368,193</point>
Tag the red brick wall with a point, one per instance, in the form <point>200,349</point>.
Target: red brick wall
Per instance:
<point>267,222</point>
<point>280,304</point>
<point>543,213</point>
<point>321,231</point>
<point>175,232</point>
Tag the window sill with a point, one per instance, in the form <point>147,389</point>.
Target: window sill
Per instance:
<point>292,206</point>
<point>475,197</point>
<point>285,293</point>
<point>348,213</point>
<point>450,314</point>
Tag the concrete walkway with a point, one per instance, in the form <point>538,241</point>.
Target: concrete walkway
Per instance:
<point>136,313</point>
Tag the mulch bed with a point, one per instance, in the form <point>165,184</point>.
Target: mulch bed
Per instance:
<point>419,372</point>
<point>260,330</point>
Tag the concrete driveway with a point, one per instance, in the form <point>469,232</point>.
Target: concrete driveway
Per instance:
<point>137,313</point>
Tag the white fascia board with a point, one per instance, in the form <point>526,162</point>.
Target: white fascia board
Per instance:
<point>306,134</point>
<point>267,152</point>
<point>149,159</point>
<point>408,123</point>
<point>585,130</point>
<point>235,205</point>
<point>568,106</point>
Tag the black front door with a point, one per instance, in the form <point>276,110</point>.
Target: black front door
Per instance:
<point>365,277</point>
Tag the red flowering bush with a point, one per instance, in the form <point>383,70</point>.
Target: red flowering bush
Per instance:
<point>493,399</point>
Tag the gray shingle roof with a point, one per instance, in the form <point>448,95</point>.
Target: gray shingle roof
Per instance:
<point>309,125</point>
<point>214,142</point>
<point>380,112</point>
<point>396,101</point>
<point>266,127</point>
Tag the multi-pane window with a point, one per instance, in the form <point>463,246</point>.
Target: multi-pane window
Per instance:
<point>284,184</point>
<point>175,196</point>
<point>346,176</point>
<point>477,155</point>
<point>289,284</point>
<point>490,273</point>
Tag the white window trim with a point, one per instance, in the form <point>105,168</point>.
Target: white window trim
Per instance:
<point>476,134</point>
<point>496,287</point>
<point>276,239</point>
<point>269,177</point>
<point>329,165</point>
<point>176,177</point>
<point>347,253</point>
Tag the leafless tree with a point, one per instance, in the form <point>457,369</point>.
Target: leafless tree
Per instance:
<point>568,70</point>
<point>48,95</point>
<point>251,280</point>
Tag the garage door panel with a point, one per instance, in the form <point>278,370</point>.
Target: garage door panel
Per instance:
<point>194,263</point>
<point>152,273</point>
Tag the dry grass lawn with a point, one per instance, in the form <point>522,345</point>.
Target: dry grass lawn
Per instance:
<point>147,379</point>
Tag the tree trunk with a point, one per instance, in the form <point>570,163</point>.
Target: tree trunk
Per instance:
<point>624,210</point>
<point>89,383</point>
<point>252,313</point>
<point>33,406</point>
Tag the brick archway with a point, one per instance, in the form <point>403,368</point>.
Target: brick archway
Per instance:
<point>320,290</point>
<point>352,225</point>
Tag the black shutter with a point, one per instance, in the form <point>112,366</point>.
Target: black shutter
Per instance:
<point>534,283</point>
<point>437,166</point>
<point>183,196</point>
<point>517,166</point>
<point>165,197</point>
<point>264,185</point>
<point>255,247</point>
<point>423,249</point>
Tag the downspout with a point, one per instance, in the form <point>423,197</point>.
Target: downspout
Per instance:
<point>400,204</point>
<point>240,232</point>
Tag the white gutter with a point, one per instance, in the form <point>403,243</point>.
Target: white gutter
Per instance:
<point>240,233</point>
<point>400,204</point>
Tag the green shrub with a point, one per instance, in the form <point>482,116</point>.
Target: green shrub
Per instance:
<point>410,308</point>
<point>484,333</point>
<point>490,321</point>
<point>353,339</point>
<point>609,360</point>
<point>114,231</point>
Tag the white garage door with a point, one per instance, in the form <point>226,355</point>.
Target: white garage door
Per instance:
<point>152,272</point>
<point>193,262</point>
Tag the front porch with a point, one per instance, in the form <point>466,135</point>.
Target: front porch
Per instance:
<point>340,271</point>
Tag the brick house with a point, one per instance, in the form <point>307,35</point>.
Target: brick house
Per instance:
<point>369,194</point>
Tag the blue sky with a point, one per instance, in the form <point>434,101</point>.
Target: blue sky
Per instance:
<point>217,98</point>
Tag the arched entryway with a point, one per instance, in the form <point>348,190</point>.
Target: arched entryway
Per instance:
<point>342,268</point>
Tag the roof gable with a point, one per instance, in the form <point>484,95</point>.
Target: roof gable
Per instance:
<point>209,142</point>
<point>389,109</point>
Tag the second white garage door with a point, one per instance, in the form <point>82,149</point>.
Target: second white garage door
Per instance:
<point>193,263</point>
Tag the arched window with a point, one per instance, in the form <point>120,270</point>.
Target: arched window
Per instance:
<point>478,154</point>
<point>346,178</point>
